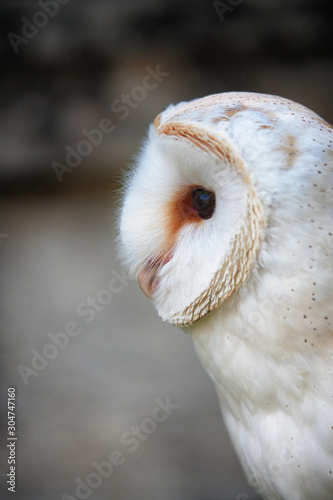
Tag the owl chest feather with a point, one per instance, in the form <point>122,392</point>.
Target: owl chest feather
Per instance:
<point>276,400</point>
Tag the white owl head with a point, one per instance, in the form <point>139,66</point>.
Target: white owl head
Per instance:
<point>195,208</point>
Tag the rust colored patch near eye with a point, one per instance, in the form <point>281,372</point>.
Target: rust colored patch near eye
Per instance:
<point>180,211</point>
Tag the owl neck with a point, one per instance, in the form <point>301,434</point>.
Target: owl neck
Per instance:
<point>255,366</point>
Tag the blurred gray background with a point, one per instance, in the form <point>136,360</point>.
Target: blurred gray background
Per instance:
<point>66,67</point>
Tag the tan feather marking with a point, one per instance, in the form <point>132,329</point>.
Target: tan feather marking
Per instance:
<point>157,121</point>
<point>228,113</point>
<point>263,127</point>
<point>289,147</point>
<point>235,109</point>
<point>199,137</point>
<point>207,141</point>
<point>211,143</point>
<point>180,212</point>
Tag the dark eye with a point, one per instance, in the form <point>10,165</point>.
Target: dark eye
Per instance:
<point>203,201</point>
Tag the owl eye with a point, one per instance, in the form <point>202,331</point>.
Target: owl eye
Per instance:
<point>203,201</point>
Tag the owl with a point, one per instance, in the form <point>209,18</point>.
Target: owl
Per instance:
<point>227,224</point>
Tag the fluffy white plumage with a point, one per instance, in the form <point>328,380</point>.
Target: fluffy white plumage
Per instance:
<point>260,265</point>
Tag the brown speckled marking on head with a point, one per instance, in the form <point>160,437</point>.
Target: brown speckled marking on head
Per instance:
<point>235,109</point>
<point>289,147</point>
<point>228,113</point>
<point>323,122</point>
<point>233,102</point>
